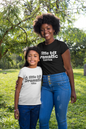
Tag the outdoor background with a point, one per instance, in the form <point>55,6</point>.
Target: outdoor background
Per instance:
<point>16,33</point>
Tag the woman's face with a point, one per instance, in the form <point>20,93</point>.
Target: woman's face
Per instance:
<point>47,31</point>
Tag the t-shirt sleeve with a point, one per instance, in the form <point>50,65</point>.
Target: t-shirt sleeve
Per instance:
<point>39,63</point>
<point>39,45</point>
<point>21,73</point>
<point>41,70</point>
<point>64,47</point>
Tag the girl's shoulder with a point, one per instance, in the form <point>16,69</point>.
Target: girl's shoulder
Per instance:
<point>22,72</point>
<point>39,68</point>
<point>23,69</point>
<point>31,69</point>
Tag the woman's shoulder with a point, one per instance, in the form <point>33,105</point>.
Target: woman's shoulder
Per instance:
<point>60,42</point>
<point>62,46</point>
<point>40,44</point>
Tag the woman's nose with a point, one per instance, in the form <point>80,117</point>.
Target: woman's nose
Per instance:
<point>45,31</point>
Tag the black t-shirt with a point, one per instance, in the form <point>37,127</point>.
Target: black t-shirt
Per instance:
<point>51,59</point>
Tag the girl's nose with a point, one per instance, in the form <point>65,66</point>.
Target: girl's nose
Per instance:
<point>32,57</point>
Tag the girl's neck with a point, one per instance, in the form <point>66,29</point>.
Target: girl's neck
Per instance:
<point>47,42</point>
<point>31,66</point>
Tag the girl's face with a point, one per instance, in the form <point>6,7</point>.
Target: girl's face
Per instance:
<point>33,58</point>
<point>47,31</point>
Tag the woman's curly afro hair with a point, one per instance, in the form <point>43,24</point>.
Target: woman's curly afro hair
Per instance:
<point>46,19</point>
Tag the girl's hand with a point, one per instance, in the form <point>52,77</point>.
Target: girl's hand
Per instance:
<point>73,97</point>
<point>16,114</point>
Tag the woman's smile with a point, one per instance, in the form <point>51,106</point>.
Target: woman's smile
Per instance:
<point>47,32</point>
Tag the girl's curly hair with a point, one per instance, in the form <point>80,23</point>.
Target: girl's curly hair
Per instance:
<point>46,19</point>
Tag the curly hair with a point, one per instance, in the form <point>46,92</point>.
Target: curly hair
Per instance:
<point>46,19</point>
<point>34,48</point>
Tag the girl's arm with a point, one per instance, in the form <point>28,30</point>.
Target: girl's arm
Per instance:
<point>17,91</point>
<point>68,67</point>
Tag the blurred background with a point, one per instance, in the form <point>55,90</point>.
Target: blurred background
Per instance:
<point>16,28</point>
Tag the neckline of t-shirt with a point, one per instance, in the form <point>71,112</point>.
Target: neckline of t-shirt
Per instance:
<point>31,68</point>
<point>50,43</point>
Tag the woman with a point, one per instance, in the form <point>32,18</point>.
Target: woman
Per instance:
<point>57,87</point>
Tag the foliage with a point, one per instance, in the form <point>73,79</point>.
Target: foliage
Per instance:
<point>84,62</point>
<point>76,41</point>
<point>16,25</point>
<point>76,112</point>
<point>15,28</point>
<point>10,61</point>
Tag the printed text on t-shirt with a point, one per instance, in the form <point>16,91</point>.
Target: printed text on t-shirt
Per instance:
<point>48,56</point>
<point>33,79</point>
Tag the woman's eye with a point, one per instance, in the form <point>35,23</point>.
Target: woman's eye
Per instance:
<point>48,28</point>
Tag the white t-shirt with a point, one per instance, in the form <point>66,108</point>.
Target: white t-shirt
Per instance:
<point>30,92</point>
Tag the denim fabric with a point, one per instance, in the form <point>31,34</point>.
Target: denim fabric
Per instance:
<point>56,91</point>
<point>28,116</point>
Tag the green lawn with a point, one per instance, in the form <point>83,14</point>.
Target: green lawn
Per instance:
<point>76,115</point>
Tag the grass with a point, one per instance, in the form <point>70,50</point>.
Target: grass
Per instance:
<point>76,116</point>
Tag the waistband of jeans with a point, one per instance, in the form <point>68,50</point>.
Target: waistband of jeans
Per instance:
<point>54,75</point>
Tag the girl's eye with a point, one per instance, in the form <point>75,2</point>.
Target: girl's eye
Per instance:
<point>29,56</point>
<point>41,30</point>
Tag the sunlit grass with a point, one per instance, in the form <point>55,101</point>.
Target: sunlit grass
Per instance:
<point>76,115</point>
<point>7,89</point>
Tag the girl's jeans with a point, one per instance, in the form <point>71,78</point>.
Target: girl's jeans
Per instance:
<point>28,116</point>
<point>56,91</point>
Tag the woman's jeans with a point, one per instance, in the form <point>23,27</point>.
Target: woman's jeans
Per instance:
<point>56,91</point>
<point>28,116</point>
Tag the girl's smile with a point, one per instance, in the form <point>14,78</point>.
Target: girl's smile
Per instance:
<point>33,58</point>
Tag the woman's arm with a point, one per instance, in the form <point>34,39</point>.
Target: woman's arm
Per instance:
<point>17,91</point>
<point>67,64</point>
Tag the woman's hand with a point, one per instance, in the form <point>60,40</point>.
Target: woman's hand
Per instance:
<point>16,114</point>
<point>16,84</point>
<point>73,97</point>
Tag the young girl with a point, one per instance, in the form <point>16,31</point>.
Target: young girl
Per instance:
<point>28,91</point>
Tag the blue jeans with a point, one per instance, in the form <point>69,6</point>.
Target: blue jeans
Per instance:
<point>56,90</point>
<point>28,116</point>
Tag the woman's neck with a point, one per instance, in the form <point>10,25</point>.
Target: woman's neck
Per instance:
<point>47,42</point>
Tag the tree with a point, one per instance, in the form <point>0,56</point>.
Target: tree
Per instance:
<point>16,25</point>
<point>13,28</point>
<point>76,40</point>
